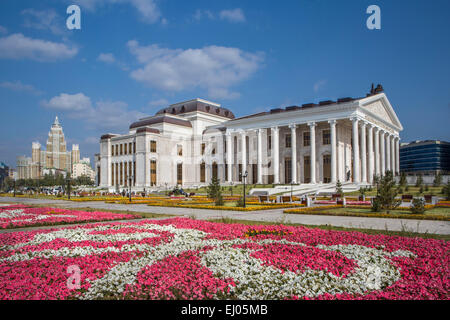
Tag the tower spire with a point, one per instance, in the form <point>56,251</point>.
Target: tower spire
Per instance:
<point>56,121</point>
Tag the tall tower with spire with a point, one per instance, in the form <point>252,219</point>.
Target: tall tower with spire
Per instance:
<point>56,157</point>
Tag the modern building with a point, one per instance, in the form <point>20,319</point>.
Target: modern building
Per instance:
<point>188,143</point>
<point>4,172</point>
<point>425,157</point>
<point>55,158</point>
<point>83,168</point>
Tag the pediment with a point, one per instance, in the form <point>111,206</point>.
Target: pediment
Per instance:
<point>379,107</point>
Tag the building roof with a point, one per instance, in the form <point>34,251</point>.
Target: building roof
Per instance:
<point>160,119</point>
<point>197,105</point>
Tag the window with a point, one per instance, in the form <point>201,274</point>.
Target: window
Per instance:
<point>213,151</point>
<point>117,149</point>
<point>306,139</point>
<point>125,148</point>
<point>326,137</point>
<point>288,141</point>
<point>269,142</point>
<point>203,146</point>
<point>130,150</point>
<point>153,146</point>
<point>121,149</point>
<point>179,150</point>
<point>134,147</point>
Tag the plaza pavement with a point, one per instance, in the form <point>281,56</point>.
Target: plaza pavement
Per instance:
<point>275,215</point>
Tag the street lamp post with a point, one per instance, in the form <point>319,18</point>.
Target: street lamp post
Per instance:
<point>291,189</point>
<point>243,179</point>
<point>68,187</point>
<point>14,187</point>
<point>130,179</point>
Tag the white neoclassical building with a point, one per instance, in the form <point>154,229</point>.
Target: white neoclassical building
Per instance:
<point>187,143</point>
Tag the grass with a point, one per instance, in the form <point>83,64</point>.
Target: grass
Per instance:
<point>429,212</point>
<point>412,190</point>
<point>237,189</point>
<point>402,233</point>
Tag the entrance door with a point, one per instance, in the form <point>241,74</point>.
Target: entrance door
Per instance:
<point>180,174</point>
<point>202,172</point>
<point>287,170</point>
<point>214,170</point>
<point>255,173</point>
<point>327,168</point>
<point>307,169</point>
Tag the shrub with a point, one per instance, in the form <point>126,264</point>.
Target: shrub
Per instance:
<point>427,188</point>
<point>446,190</point>
<point>421,189</point>
<point>376,205</point>
<point>418,206</point>
<point>407,188</point>
<point>339,190</point>
<point>419,181</point>
<point>437,179</point>
<point>219,200</point>
<point>240,202</point>
<point>402,179</point>
<point>387,193</point>
<point>400,190</point>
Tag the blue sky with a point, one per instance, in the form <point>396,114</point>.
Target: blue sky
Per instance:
<point>133,57</point>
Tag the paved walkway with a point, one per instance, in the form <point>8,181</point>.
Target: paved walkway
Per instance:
<point>275,215</point>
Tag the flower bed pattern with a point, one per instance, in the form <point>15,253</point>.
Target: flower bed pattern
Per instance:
<point>15,216</point>
<point>192,259</point>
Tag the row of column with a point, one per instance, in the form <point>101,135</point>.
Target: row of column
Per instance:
<point>378,158</point>
<point>120,176</point>
<point>373,157</point>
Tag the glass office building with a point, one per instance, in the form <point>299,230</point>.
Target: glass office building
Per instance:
<point>425,157</point>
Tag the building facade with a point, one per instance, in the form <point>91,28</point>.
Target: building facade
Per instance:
<point>188,143</point>
<point>83,168</point>
<point>425,157</point>
<point>55,158</point>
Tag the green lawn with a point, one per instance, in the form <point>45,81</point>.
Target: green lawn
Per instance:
<point>397,213</point>
<point>237,190</point>
<point>412,190</point>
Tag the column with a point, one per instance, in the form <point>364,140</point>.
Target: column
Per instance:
<point>392,142</point>
<point>294,152</point>
<point>388,151</point>
<point>370,153</point>
<point>377,151</point>
<point>312,135</point>
<point>276,155</point>
<point>363,153</point>
<point>397,155</point>
<point>382,153</point>
<point>333,150</point>
<point>229,157</point>
<point>355,148</point>
<point>243,154</point>
<point>259,178</point>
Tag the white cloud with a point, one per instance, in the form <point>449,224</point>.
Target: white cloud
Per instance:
<point>106,57</point>
<point>199,14</point>
<point>20,87</point>
<point>106,115</point>
<point>44,20</point>
<point>213,68</point>
<point>232,15</point>
<point>3,30</point>
<point>319,84</point>
<point>17,46</point>
<point>147,9</point>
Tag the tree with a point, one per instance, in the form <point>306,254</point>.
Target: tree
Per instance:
<point>419,181</point>
<point>386,194</point>
<point>215,191</point>
<point>403,179</point>
<point>446,190</point>
<point>437,179</point>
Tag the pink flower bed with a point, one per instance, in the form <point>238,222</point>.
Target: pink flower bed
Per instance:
<point>15,216</point>
<point>192,259</point>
